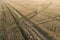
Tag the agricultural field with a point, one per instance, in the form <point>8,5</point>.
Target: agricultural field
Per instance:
<point>29,20</point>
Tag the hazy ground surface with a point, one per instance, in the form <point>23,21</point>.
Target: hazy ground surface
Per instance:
<point>29,19</point>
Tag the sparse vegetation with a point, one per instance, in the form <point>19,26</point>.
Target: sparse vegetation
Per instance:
<point>34,24</point>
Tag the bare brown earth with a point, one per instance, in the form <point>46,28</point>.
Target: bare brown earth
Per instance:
<point>29,20</point>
